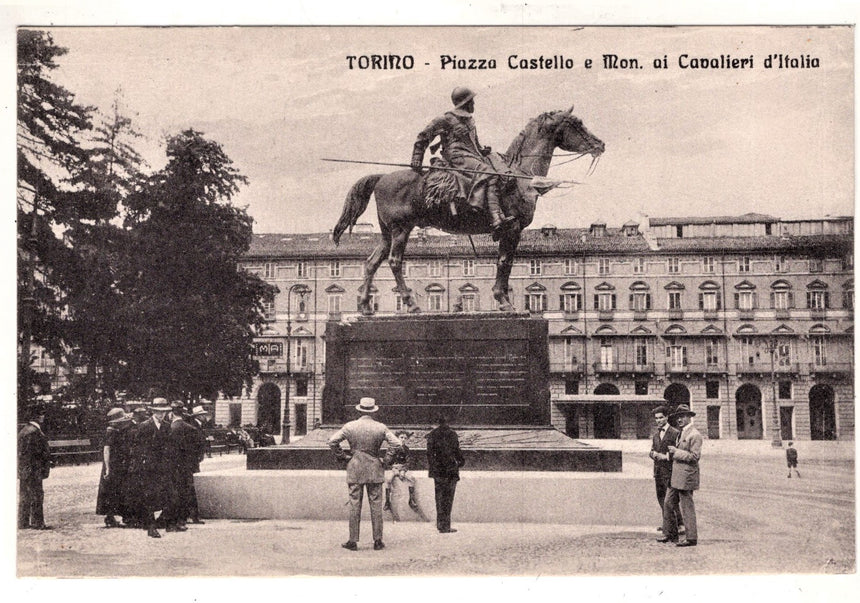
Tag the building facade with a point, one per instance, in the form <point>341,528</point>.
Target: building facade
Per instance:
<point>748,319</point>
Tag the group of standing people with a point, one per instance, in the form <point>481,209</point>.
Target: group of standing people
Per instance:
<point>150,458</point>
<point>365,471</point>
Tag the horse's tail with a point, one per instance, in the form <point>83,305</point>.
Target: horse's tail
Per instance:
<point>355,204</point>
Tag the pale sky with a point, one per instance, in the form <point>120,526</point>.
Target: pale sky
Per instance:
<point>678,141</point>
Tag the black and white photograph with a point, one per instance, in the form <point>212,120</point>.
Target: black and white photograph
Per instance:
<point>563,300</point>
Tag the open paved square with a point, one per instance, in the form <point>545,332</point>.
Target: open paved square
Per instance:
<point>752,520</point>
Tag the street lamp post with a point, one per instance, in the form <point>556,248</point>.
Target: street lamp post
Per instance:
<point>302,290</point>
<point>776,440</point>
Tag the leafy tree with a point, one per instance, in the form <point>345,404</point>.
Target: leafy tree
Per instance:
<point>191,312</point>
<point>50,126</point>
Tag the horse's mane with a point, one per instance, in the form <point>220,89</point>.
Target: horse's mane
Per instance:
<point>541,123</point>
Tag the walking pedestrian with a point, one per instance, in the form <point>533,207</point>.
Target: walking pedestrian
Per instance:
<point>364,469</point>
<point>684,481</point>
<point>444,460</point>
<point>34,466</point>
<point>113,487</point>
<point>791,459</point>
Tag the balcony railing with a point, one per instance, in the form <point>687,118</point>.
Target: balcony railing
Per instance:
<point>605,314</point>
<point>832,367</point>
<point>623,367</point>
<point>765,368</point>
<point>701,367</point>
<point>640,314</point>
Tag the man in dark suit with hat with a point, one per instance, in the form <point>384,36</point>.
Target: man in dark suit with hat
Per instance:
<point>199,416</point>
<point>685,479</point>
<point>444,460</point>
<point>665,436</point>
<point>152,466</point>
<point>34,465</point>
<point>182,448</point>
<point>364,469</point>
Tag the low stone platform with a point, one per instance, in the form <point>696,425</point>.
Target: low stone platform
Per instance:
<point>610,498</point>
<point>490,449</point>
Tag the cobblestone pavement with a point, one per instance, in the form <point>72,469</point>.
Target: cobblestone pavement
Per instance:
<point>752,520</point>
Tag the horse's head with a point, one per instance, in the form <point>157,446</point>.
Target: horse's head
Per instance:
<point>573,137</point>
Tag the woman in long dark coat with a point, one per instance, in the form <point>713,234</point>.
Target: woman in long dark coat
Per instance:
<point>113,487</point>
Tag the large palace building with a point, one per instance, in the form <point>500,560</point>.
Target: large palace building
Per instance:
<point>749,319</point>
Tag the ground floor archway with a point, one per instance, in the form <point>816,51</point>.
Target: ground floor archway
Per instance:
<point>749,413</point>
<point>607,417</point>
<point>822,413</point>
<point>269,408</point>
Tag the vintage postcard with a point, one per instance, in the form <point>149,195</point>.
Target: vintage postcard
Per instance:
<point>618,261</point>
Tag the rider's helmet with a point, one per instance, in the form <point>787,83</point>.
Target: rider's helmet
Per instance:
<point>460,96</point>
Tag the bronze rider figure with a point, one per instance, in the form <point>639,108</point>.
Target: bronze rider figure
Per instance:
<point>461,149</point>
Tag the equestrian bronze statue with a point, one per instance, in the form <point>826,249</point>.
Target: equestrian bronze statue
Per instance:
<point>474,191</point>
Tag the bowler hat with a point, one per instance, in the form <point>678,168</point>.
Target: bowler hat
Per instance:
<point>681,410</point>
<point>198,410</point>
<point>367,405</point>
<point>117,415</point>
<point>160,404</point>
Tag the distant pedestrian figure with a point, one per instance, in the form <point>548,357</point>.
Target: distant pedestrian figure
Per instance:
<point>444,460</point>
<point>364,469</point>
<point>34,465</point>
<point>791,459</point>
<point>112,497</point>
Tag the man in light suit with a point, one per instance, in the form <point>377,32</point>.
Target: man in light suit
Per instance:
<point>685,479</point>
<point>665,436</point>
<point>364,469</point>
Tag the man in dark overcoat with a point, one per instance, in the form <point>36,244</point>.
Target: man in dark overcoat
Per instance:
<point>199,416</point>
<point>444,460</point>
<point>34,465</point>
<point>665,436</point>
<point>152,466</point>
<point>183,449</point>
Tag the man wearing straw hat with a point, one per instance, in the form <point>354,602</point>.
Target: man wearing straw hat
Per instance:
<point>364,469</point>
<point>685,479</point>
<point>152,465</point>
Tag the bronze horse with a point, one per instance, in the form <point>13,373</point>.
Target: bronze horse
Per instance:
<point>401,207</point>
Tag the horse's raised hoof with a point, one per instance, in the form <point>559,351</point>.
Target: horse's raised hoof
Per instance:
<point>414,309</point>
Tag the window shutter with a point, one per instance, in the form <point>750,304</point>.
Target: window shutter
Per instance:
<point>809,299</point>
<point>790,299</point>
<point>477,302</point>
<point>737,301</point>
<point>684,355</point>
<point>772,300</point>
<point>827,299</point>
<point>613,301</point>
<point>631,301</point>
<point>596,301</point>
<point>701,301</point>
<point>719,301</point>
<point>526,304</point>
<point>647,301</point>
<point>561,302</point>
<point>754,300</point>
